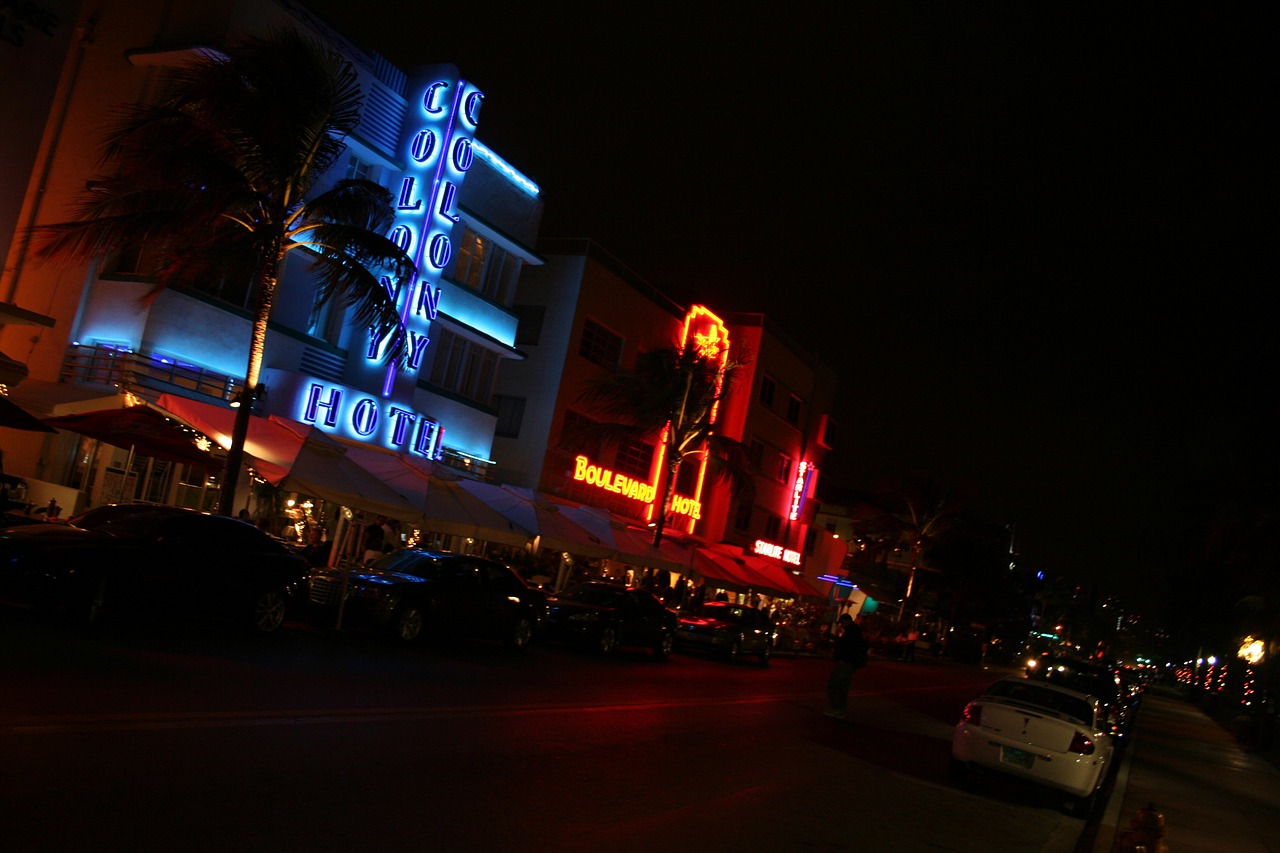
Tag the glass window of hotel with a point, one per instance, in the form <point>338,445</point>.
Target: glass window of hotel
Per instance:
<point>485,266</point>
<point>529,324</point>
<point>325,320</point>
<point>599,345</point>
<point>772,525</point>
<point>793,409</point>
<point>358,170</point>
<point>140,263</point>
<point>510,415</point>
<point>767,388</point>
<point>784,468</point>
<point>577,436</point>
<point>755,453</point>
<point>634,458</point>
<point>742,517</point>
<point>134,262</point>
<point>464,367</point>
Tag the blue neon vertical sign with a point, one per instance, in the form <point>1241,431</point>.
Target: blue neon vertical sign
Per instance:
<point>438,146</point>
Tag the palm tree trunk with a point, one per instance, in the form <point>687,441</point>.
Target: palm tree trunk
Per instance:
<point>668,487</point>
<point>249,395</point>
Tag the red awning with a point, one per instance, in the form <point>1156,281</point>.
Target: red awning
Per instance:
<point>780,576</point>
<point>15,417</point>
<point>145,431</point>
<point>723,568</point>
<point>296,456</point>
<point>747,571</point>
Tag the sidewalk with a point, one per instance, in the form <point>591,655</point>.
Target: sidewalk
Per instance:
<point>1214,796</point>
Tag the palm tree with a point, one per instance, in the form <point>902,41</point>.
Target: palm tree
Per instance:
<point>673,391</point>
<point>218,179</point>
<point>920,513</point>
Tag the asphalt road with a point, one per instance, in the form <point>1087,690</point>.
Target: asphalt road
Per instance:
<point>195,738</point>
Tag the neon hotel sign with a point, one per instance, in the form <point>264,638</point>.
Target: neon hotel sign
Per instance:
<point>707,332</point>
<point>439,148</point>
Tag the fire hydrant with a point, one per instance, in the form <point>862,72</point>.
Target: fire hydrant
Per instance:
<point>1145,833</point>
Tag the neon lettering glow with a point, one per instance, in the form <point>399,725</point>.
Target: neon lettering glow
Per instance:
<point>801,489</point>
<point>777,552</point>
<point>707,332</point>
<point>438,145</point>
<point>347,413</point>
<point>610,481</point>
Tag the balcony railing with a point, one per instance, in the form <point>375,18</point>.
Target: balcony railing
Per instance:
<point>140,372</point>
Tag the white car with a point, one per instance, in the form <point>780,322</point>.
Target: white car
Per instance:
<point>1038,732</point>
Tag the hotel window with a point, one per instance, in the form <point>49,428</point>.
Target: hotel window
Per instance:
<point>577,435</point>
<point>325,320</point>
<point>486,267</point>
<point>358,170</point>
<point>510,415</point>
<point>600,346</point>
<point>634,458</point>
<point>767,388</point>
<point>464,367</point>
<point>139,261</point>
<point>772,525</point>
<point>784,468</point>
<point>793,410</point>
<point>742,518</point>
<point>755,453</point>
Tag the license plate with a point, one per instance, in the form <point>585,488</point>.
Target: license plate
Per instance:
<point>1017,757</point>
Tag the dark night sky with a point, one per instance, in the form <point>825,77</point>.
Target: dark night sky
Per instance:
<point>1033,242</point>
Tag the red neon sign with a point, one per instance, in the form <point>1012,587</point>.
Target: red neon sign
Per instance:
<point>710,337</point>
<point>801,488</point>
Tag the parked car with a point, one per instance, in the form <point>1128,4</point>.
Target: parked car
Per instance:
<point>727,629</point>
<point>608,615</point>
<point>413,592</point>
<point>149,561</point>
<point>1120,705</point>
<point>1039,732</point>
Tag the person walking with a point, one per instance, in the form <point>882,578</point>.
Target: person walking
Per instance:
<point>373,537</point>
<point>849,655</point>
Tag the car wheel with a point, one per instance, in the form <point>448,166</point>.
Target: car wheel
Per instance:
<point>521,633</point>
<point>407,623</point>
<point>766,652</point>
<point>266,611</point>
<point>1082,807</point>
<point>666,643</point>
<point>608,640</point>
<point>735,649</point>
<point>94,610</point>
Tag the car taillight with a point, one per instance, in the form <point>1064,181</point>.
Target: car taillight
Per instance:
<point>972,713</point>
<point>1081,743</point>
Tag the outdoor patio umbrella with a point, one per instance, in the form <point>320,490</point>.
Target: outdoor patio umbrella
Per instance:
<point>296,456</point>
<point>145,431</point>
<point>536,513</point>
<point>15,417</point>
<point>443,505</point>
<point>632,545</point>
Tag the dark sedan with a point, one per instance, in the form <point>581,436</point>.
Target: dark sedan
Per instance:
<point>1097,680</point>
<point>608,615</point>
<point>152,562</point>
<point>413,592</point>
<point>730,630</point>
